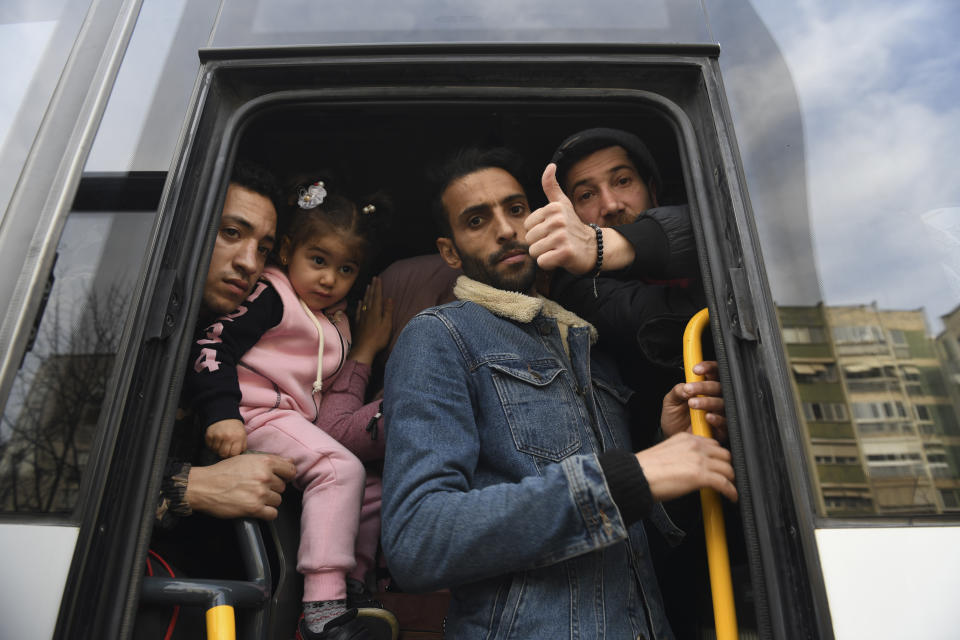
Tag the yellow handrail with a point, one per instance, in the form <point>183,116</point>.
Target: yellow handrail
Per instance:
<point>221,624</point>
<point>718,559</point>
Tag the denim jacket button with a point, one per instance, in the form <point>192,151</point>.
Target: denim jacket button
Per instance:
<point>545,329</point>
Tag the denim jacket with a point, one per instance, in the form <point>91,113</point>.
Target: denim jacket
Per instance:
<point>492,486</point>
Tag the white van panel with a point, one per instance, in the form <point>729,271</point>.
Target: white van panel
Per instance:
<point>35,561</point>
<point>892,582</point>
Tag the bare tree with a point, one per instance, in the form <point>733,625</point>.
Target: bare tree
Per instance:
<point>48,433</point>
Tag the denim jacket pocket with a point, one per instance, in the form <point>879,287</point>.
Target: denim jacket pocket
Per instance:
<point>612,400</point>
<point>538,402</point>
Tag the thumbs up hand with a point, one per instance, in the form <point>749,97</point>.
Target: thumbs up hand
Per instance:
<point>555,234</point>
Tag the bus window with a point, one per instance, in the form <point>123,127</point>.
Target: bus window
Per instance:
<point>48,429</point>
<point>859,228</point>
<point>101,248</point>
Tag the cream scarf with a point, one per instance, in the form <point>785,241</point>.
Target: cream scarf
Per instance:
<point>520,307</point>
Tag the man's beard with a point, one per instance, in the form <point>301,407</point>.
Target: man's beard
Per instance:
<point>622,218</point>
<point>519,278</point>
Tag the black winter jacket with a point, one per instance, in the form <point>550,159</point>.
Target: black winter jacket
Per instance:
<point>641,312</point>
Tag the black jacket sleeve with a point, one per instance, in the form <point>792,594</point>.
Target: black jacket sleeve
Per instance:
<point>211,386</point>
<point>631,312</point>
<point>662,239</point>
<point>628,485</point>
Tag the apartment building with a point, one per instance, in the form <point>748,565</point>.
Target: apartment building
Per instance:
<point>882,429</point>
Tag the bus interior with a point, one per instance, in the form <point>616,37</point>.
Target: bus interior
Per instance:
<point>389,147</point>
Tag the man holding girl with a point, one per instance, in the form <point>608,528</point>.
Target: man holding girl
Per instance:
<point>280,371</point>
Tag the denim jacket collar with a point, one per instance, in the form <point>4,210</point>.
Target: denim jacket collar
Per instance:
<point>519,307</point>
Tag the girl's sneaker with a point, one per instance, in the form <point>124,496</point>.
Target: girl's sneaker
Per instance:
<point>343,627</point>
<point>356,624</point>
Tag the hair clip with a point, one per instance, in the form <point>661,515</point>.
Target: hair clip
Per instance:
<point>312,196</point>
<point>368,209</point>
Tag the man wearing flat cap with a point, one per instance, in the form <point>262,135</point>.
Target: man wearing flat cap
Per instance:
<point>622,263</point>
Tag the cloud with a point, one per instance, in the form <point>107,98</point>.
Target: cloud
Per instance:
<point>849,52</point>
<point>883,156</point>
<point>878,88</point>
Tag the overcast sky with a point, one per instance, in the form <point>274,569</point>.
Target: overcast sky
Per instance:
<point>879,89</point>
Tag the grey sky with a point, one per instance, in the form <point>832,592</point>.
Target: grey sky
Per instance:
<point>878,89</point>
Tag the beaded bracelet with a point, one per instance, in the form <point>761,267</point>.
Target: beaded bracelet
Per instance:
<point>596,269</point>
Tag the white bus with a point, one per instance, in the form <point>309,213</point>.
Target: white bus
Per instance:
<point>815,143</point>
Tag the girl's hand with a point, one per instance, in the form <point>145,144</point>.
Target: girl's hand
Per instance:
<point>706,395</point>
<point>227,437</point>
<point>374,323</point>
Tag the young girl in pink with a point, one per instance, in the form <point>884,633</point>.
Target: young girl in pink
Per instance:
<point>284,375</point>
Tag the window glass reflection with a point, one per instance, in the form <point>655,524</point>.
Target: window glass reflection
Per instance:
<point>405,21</point>
<point>884,435</point>
<point>149,100</point>
<point>36,37</point>
<point>848,153</point>
<point>50,420</point>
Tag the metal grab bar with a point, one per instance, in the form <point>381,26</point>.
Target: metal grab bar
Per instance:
<point>718,559</point>
<point>220,596</point>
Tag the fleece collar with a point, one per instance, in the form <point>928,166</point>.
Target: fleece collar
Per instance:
<point>519,307</point>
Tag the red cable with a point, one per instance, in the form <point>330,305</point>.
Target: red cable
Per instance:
<point>163,562</point>
<point>176,608</point>
<point>173,622</point>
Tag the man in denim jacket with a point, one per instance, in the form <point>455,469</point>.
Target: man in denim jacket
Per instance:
<point>508,478</point>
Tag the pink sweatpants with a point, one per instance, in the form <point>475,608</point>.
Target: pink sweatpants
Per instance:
<point>340,524</point>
